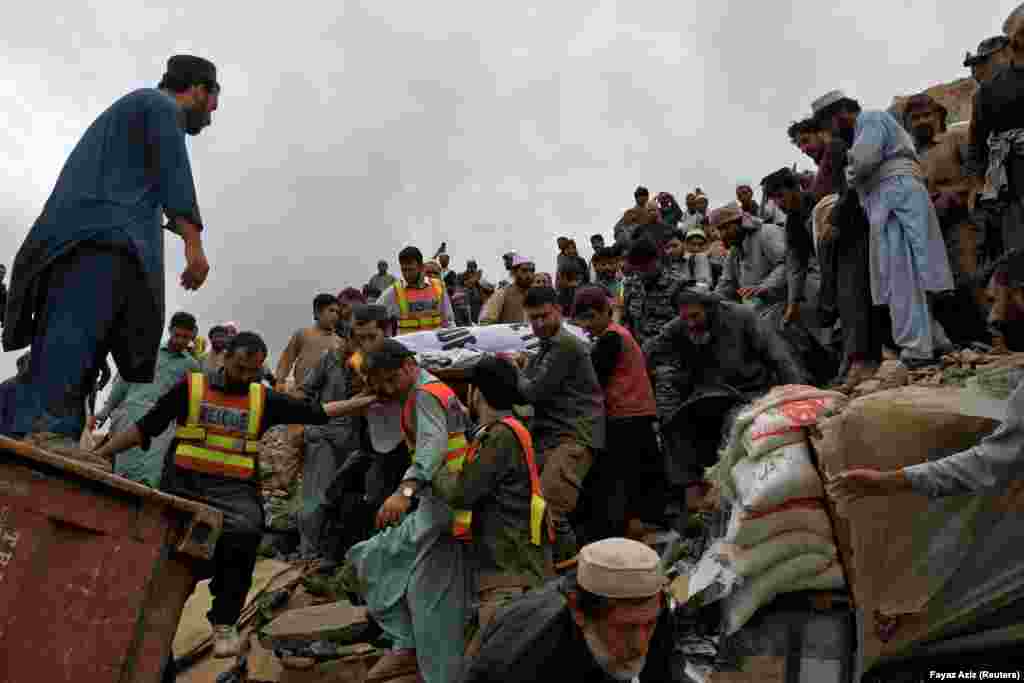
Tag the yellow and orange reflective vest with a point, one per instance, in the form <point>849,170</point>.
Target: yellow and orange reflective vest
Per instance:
<point>221,435</point>
<point>455,455</point>
<point>537,503</point>
<point>419,309</point>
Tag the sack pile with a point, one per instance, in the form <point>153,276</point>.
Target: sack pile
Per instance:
<point>779,538</point>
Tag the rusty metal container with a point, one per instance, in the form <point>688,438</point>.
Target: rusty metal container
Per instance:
<point>94,570</point>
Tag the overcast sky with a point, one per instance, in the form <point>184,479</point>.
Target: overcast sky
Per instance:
<point>347,130</point>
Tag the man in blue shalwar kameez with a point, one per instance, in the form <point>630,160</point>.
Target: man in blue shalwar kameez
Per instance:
<point>89,278</point>
<point>908,261</point>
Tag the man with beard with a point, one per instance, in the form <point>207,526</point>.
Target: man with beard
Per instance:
<point>129,401</point>
<point>943,155</point>
<point>506,306</point>
<point>89,279</point>
<point>500,483</point>
<point>624,492</point>
<point>212,459</point>
<point>768,213</point>
<point>907,255</point>
<point>606,623</point>
<point>568,404</point>
<point>828,154</point>
<point>214,360</point>
<point>415,572</point>
<point>712,357</point>
<point>647,291</point>
<point>755,270</point>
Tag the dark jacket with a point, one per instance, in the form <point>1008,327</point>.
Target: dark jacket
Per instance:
<point>744,355</point>
<point>536,639</point>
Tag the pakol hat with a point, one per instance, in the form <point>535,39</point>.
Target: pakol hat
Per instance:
<point>192,69</point>
<point>726,214</point>
<point>986,49</point>
<point>619,568</point>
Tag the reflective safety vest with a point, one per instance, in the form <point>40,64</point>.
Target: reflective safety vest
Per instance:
<point>221,435</point>
<point>419,309</point>
<point>455,454</point>
<point>538,505</point>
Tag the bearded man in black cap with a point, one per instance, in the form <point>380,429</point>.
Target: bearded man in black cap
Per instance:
<point>89,278</point>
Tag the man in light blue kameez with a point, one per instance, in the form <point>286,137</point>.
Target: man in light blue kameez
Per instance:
<point>130,401</point>
<point>415,573</point>
<point>908,260</point>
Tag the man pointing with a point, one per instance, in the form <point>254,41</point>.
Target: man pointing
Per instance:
<point>89,278</point>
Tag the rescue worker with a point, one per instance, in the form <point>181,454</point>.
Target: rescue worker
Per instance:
<point>607,623</point>
<point>414,573</point>
<point>500,483</point>
<point>128,402</point>
<point>213,460</point>
<point>88,281</point>
<point>627,482</point>
<point>647,291</point>
<point>568,422</point>
<point>417,302</point>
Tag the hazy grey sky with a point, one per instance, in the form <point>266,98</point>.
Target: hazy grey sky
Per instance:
<point>348,130</point>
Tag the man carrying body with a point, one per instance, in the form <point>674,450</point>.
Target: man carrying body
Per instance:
<point>506,306</point>
<point>129,402</point>
<point>907,255</point>
<point>415,571</point>
<point>417,302</point>
<point>500,483</point>
<point>607,623</point>
<point>943,158</point>
<point>383,279</point>
<point>325,447</point>
<point>647,291</point>
<point>630,489</point>
<point>307,345</point>
<point>568,425</point>
<point>89,278</point>
<point>212,459</point>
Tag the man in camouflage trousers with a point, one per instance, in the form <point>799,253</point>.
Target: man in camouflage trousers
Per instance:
<point>648,290</point>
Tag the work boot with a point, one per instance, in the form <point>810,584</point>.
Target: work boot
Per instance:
<point>395,664</point>
<point>226,642</point>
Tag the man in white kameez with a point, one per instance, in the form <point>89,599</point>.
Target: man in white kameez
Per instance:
<point>908,260</point>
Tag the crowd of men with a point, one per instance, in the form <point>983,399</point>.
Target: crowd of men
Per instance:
<point>443,503</point>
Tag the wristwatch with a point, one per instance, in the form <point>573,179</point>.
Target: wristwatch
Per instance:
<point>409,492</point>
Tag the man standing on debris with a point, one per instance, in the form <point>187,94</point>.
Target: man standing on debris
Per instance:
<point>606,623</point>
<point>212,459</point>
<point>89,279</point>
<point>415,571</point>
<point>907,256</point>
<point>506,306</point>
<point>997,135</point>
<point>501,485</point>
<point>417,302</point>
<point>647,291</point>
<point>629,489</point>
<point>943,158</point>
<point>128,402</point>
<point>308,344</point>
<point>568,423</point>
